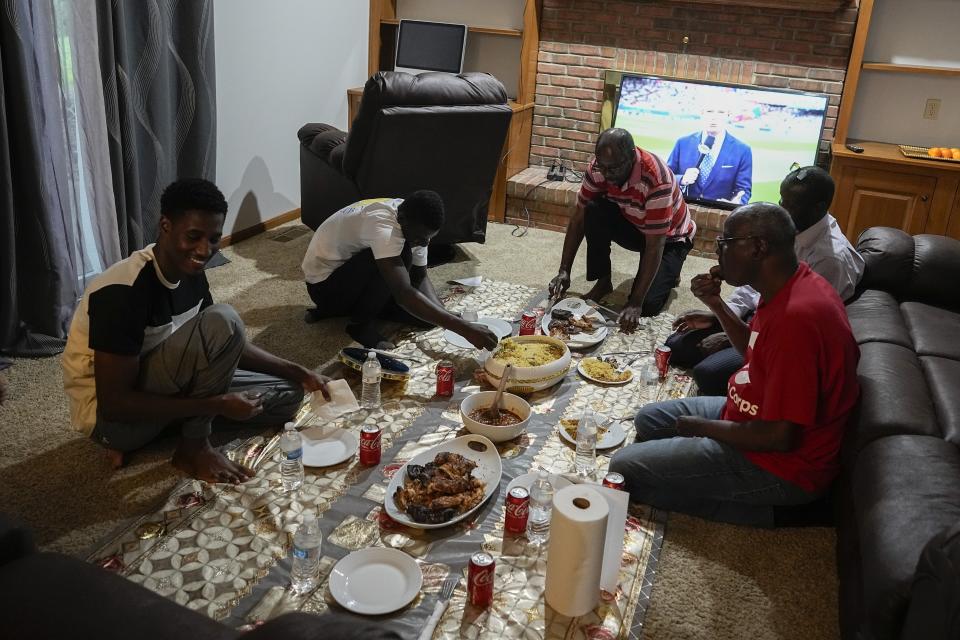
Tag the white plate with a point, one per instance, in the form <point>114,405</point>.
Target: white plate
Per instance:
<point>489,469</point>
<point>526,481</point>
<point>499,326</point>
<point>324,446</point>
<point>583,371</point>
<point>579,308</point>
<point>613,437</point>
<point>375,581</point>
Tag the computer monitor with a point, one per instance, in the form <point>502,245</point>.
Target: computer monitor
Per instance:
<point>430,46</point>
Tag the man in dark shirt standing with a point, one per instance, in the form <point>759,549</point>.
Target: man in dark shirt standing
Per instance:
<point>148,348</point>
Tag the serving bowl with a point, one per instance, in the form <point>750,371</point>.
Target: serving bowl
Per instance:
<point>526,380</point>
<point>482,400</point>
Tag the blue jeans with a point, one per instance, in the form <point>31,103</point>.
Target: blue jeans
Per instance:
<point>698,476</point>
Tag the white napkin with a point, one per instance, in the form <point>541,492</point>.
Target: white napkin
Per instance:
<point>341,401</point>
<point>617,504</point>
<point>469,282</point>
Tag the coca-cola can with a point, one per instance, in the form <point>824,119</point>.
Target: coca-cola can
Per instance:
<point>370,445</point>
<point>528,323</point>
<point>517,510</point>
<point>480,579</point>
<point>445,373</point>
<point>662,356</point>
<point>614,480</point>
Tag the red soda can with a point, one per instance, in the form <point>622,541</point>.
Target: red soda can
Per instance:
<point>614,480</point>
<point>480,579</point>
<point>445,373</point>
<point>370,445</point>
<point>662,355</point>
<point>528,323</point>
<point>517,510</point>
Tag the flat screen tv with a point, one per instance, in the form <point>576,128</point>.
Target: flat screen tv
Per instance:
<point>430,46</point>
<point>727,144</point>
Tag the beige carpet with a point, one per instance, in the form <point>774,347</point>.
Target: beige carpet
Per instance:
<point>714,581</point>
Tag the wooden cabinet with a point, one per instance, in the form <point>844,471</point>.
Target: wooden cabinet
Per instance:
<point>881,187</point>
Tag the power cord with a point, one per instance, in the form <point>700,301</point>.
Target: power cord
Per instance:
<point>517,231</point>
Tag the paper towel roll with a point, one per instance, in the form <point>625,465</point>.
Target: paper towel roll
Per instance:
<point>575,553</point>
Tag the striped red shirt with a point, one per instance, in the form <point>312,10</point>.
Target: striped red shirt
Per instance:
<point>650,198</point>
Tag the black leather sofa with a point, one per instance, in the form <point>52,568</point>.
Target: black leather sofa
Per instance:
<point>50,595</point>
<point>437,131</point>
<point>898,537</point>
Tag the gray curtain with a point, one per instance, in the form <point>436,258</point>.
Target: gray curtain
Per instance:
<point>157,62</point>
<point>38,271</point>
<point>102,104</point>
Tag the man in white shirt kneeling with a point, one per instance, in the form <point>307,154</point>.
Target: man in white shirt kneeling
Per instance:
<point>369,261</point>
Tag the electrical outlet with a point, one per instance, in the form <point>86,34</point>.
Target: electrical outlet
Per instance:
<point>932,109</point>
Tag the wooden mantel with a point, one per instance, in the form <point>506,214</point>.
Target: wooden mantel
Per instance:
<point>803,5</point>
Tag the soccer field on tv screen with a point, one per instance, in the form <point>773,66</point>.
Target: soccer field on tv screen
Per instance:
<point>773,153</point>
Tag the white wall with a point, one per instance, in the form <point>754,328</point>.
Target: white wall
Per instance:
<point>279,65</point>
<point>889,106</point>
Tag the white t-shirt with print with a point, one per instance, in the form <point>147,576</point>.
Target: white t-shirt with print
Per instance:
<point>368,224</point>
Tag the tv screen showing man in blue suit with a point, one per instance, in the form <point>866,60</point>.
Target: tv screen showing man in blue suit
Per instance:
<point>712,164</point>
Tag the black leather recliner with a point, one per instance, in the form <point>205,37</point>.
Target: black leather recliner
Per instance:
<point>898,538</point>
<point>435,131</point>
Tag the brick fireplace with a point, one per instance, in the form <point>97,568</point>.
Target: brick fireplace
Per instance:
<point>583,40</point>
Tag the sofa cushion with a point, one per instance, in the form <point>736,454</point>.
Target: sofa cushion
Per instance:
<point>943,378</point>
<point>933,331</point>
<point>48,595</point>
<point>935,597</point>
<point>906,491</point>
<point>875,317</point>
<point>894,397</point>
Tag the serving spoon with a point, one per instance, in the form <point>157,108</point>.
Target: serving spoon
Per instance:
<point>493,412</point>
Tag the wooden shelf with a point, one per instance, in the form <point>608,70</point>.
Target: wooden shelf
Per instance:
<point>805,5</point>
<point>890,153</point>
<point>510,33</point>
<point>910,68</point>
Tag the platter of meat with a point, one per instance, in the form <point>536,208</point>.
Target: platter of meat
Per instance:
<point>576,323</point>
<point>444,484</point>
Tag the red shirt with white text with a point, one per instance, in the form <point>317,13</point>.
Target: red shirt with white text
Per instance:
<point>800,366</point>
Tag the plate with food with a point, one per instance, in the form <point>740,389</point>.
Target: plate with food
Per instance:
<point>609,433</point>
<point>605,370</point>
<point>576,323</point>
<point>444,484</point>
<point>500,328</point>
<point>538,362</point>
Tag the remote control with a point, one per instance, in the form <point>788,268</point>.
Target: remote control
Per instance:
<point>855,148</point>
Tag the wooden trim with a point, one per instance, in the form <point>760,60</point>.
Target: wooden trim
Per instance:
<point>260,227</point>
<point>529,50</point>
<point>513,33</point>
<point>890,154</point>
<point>852,78</point>
<point>380,11</point>
<point>803,5</point>
<point>910,68</point>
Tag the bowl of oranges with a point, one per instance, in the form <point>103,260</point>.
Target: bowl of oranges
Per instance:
<point>944,153</point>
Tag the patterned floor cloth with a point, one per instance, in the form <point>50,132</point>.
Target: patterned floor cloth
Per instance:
<point>223,550</point>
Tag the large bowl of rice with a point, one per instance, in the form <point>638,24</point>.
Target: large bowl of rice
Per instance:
<point>538,362</point>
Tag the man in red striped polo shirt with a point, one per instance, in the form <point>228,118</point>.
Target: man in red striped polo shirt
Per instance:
<point>628,196</point>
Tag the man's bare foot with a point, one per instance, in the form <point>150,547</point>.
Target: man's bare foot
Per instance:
<point>600,290</point>
<point>116,458</point>
<point>196,458</point>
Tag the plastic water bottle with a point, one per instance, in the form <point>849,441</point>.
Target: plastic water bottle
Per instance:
<point>305,572</point>
<point>291,465</point>
<point>650,374</point>
<point>541,505</point>
<point>371,373</point>
<point>586,458</point>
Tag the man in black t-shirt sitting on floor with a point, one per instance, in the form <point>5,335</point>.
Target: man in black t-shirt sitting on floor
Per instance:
<point>148,348</point>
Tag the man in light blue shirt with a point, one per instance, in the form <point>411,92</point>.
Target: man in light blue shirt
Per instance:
<point>806,194</point>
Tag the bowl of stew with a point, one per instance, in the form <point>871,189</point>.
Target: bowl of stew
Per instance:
<point>514,415</point>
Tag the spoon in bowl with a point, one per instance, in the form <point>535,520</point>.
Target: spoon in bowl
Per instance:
<point>493,412</point>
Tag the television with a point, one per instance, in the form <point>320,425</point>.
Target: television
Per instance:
<point>430,46</point>
<point>728,144</point>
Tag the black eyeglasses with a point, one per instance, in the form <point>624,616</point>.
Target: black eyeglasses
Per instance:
<point>605,168</point>
<point>722,241</point>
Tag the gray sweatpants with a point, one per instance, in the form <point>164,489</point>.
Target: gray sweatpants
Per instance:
<point>199,360</point>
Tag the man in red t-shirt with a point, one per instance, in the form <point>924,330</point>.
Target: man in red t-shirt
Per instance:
<point>775,438</point>
<point>628,196</point>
